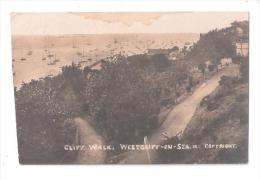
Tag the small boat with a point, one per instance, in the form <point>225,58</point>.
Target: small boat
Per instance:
<point>79,53</point>
<point>30,53</point>
<point>56,60</point>
<point>23,59</point>
<point>51,63</point>
<point>43,58</point>
<point>83,53</point>
<point>82,61</point>
<point>74,45</point>
<point>50,55</point>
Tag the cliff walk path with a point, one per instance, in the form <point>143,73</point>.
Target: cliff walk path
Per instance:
<point>177,119</point>
<point>88,136</point>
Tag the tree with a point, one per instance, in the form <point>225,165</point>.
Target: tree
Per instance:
<point>202,68</point>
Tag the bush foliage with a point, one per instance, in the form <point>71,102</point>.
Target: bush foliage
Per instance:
<point>122,99</point>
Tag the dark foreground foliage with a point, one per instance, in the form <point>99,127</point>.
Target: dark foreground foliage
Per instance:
<point>221,118</point>
<point>122,99</point>
<point>44,110</point>
<point>125,97</point>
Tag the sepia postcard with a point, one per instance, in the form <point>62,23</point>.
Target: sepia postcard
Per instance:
<point>131,88</point>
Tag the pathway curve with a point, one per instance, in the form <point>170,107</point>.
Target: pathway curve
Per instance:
<point>179,117</point>
<point>88,136</point>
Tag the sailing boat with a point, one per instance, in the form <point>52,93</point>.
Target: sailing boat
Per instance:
<point>50,56</point>
<point>43,58</point>
<point>55,59</point>
<point>78,50</point>
<point>23,58</point>
<point>52,63</point>
<point>29,52</point>
<point>79,53</point>
<point>77,43</point>
<point>49,46</point>
<point>83,53</point>
<point>74,46</point>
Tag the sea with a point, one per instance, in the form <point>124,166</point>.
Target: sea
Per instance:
<point>36,57</point>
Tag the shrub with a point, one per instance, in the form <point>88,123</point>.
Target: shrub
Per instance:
<point>125,97</point>
<point>123,100</point>
<point>44,110</point>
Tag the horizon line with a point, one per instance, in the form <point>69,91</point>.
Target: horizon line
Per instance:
<point>105,34</point>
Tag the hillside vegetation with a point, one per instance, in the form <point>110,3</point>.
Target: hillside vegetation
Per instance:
<point>221,118</point>
<point>122,100</point>
<point>217,44</point>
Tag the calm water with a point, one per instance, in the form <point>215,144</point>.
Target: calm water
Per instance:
<point>38,56</point>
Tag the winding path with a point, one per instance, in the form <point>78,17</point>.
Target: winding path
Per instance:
<point>176,121</point>
<point>88,136</point>
<point>179,117</point>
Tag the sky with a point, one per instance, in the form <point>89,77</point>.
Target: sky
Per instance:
<point>104,23</point>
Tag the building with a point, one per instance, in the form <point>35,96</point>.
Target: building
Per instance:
<point>176,55</point>
<point>208,63</point>
<point>242,48</point>
<point>152,52</point>
<point>225,61</point>
<point>239,32</point>
<point>172,54</point>
<point>241,42</point>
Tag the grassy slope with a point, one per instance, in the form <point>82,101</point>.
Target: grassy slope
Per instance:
<point>221,118</point>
